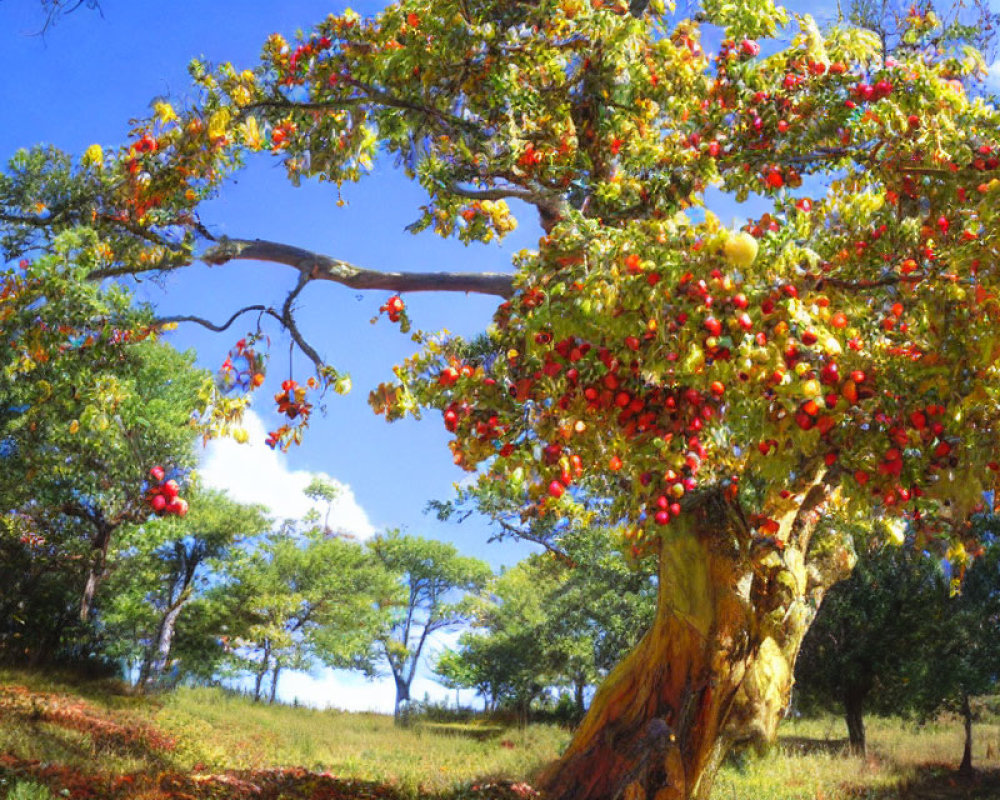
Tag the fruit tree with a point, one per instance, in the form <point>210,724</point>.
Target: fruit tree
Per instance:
<point>709,394</point>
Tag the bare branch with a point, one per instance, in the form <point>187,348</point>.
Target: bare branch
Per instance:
<point>321,267</point>
<point>528,536</point>
<point>288,320</point>
<point>225,325</point>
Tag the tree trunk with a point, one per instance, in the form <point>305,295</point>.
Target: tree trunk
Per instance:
<point>164,641</point>
<point>715,667</point>
<point>401,712</point>
<point>263,669</point>
<point>274,680</point>
<point>854,701</point>
<point>97,571</point>
<point>579,688</point>
<point>966,766</point>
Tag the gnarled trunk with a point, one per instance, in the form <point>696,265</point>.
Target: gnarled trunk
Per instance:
<point>715,667</point>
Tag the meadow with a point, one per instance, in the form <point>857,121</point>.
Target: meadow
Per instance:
<point>61,738</point>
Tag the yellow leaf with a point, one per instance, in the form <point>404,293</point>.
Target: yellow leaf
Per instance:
<point>164,112</point>
<point>218,123</point>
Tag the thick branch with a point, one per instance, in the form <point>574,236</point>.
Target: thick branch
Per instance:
<point>321,267</point>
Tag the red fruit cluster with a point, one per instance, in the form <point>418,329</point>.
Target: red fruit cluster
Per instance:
<point>147,144</point>
<point>291,400</point>
<point>163,497</point>
<point>394,307</point>
<point>243,369</point>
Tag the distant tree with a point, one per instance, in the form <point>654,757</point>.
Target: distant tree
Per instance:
<point>506,656</point>
<point>966,661</point>
<point>553,620</point>
<point>169,566</point>
<point>432,578</point>
<point>855,654</point>
<point>306,598</point>
<point>321,490</point>
<point>896,638</point>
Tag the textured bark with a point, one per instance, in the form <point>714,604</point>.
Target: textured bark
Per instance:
<point>322,267</point>
<point>715,667</point>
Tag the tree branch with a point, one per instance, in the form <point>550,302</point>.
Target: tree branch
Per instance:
<point>211,325</point>
<point>528,536</point>
<point>321,267</point>
<point>288,320</point>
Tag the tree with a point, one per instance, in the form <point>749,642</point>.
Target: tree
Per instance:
<point>966,660</point>
<point>431,577</point>
<point>298,599</point>
<point>709,393</point>
<point>555,620</point>
<point>170,566</point>
<point>895,638</point>
<point>871,631</point>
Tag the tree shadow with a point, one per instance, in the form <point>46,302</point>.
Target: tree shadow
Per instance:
<point>479,733</point>
<point>804,746</point>
<point>944,782</point>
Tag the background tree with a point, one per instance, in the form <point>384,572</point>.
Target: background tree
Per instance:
<point>431,579</point>
<point>871,629</point>
<point>170,565</point>
<point>560,620</point>
<point>86,397</point>
<point>965,659</point>
<point>895,637</point>
<point>299,599</point>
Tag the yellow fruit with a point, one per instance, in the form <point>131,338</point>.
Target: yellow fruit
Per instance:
<point>740,249</point>
<point>811,388</point>
<point>93,155</point>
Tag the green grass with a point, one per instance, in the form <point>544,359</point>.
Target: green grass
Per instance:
<point>811,762</point>
<point>429,756</point>
<point>99,729</point>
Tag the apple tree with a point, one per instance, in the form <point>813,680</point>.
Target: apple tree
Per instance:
<point>708,394</point>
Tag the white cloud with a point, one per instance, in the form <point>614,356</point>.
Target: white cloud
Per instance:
<point>254,473</point>
<point>993,76</point>
<point>351,691</point>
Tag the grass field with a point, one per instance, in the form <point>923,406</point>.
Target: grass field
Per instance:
<point>94,741</point>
